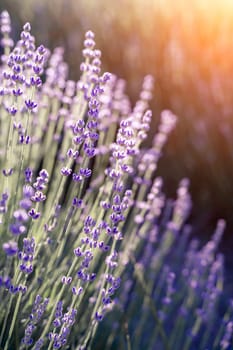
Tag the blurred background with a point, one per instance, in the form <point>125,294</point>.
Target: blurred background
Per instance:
<point>188,47</point>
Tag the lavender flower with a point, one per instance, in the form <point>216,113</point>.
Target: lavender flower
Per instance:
<point>90,245</point>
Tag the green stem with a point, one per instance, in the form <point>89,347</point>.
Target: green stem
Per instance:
<point>143,284</point>
<point>6,347</point>
<point>6,319</point>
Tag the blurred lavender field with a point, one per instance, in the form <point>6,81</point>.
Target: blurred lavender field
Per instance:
<point>187,47</point>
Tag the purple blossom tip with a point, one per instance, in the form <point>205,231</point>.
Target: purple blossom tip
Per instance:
<point>30,104</point>
<point>27,27</point>
<point>41,49</point>
<point>33,214</point>
<point>7,172</point>
<point>77,202</point>
<point>66,171</point>
<point>89,35</point>
<point>98,316</point>
<point>10,248</point>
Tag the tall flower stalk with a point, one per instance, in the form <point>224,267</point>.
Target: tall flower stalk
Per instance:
<point>86,233</point>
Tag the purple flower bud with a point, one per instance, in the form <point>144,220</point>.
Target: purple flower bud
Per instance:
<point>38,197</point>
<point>17,229</point>
<point>77,177</point>
<point>56,323</point>
<point>69,280</point>
<point>12,110</point>
<point>66,171</point>
<point>20,215</point>
<point>28,175</point>
<point>89,35</point>
<point>25,204</point>
<point>85,172</point>
<point>27,27</point>
<point>30,104</point>
<point>7,172</point>
<point>44,174</point>
<point>78,252</point>
<point>77,202</point>
<point>63,279</point>
<point>72,154</point>
<point>90,152</point>
<point>35,81</point>
<point>41,50</point>
<point>17,92</point>
<point>92,277</point>
<point>13,289</point>
<point>37,70</point>
<point>89,43</point>
<point>33,214</point>
<point>98,316</point>
<point>78,140</point>
<point>10,248</point>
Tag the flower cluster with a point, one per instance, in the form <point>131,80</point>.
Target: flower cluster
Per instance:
<point>86,234</point>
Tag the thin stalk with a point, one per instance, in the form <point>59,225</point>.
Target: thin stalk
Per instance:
<point>6,347</point>
<point>6,319</point>
<point>142,282</point>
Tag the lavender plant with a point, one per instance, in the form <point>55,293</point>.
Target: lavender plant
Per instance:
<point>83,213</point>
